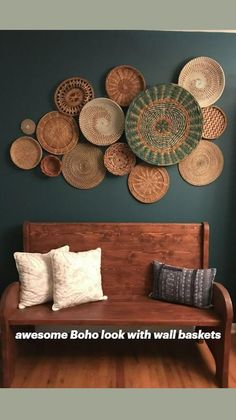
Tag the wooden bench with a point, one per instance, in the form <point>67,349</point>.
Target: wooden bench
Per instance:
<point>128,250</point>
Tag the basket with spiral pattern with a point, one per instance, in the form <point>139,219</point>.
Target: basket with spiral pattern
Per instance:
<point>204,78</point>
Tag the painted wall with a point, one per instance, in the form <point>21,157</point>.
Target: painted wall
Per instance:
<point>33,64</point>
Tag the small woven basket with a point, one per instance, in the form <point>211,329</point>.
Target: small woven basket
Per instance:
<point>51,165</point>
<point>119,159</point>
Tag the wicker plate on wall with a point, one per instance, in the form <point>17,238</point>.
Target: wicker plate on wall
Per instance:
<point>102,121</point>
<point>57,133</point>
<point>164,124</point>
<point>83,166</point>
<point>214,122</point>
<point>204,165</point>
<point>26,152</point>
<point>51,165</point>
<point>119,159</point>
<point>204,78</point>
<point>123,83</point>
<point>28,126</point>
<point>72,94</point>
<point>148,183</point>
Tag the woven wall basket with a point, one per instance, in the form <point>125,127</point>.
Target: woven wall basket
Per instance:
<point>28,126</point>
<point>119,159</point>
<point>123,83</point>
<point>214,122</point>
<point>83,166</point>
<point>102,121</point>
<point>163,124</point>
<point>72,94</point>
<point>204,165</point>
<point>204,78</point>
<point>57,133</point>
<point>51,165</point>
<point>148,183</point>
<point>26,152</point>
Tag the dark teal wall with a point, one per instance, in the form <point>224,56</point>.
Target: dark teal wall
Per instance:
<point>31,66</point>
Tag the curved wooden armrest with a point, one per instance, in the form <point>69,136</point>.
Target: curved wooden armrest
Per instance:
<point>222,302</point>
<point>9,300</point>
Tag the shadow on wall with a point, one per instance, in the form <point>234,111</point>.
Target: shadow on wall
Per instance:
<point>11,241</point>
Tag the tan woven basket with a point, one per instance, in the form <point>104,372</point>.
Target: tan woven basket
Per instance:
<point>28,126</point>
<point>26,152</point>
<point>148,183</point>
<point>83,166</point>
<point>214,122</point>
<point>204,165</point>
<point>51,165</point>
<point>204,78</point>
<point>119,159</point>
<point>102,121</point>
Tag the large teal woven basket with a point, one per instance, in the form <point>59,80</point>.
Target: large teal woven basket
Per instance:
<point>164,124</point>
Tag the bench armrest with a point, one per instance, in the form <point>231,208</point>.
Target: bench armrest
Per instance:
<point>222,302</point>
<point>9,300</point>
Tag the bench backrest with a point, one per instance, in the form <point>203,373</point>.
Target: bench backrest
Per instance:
<point>128,249</point>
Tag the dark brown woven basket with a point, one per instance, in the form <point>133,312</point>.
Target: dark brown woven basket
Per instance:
<point>51,165</point>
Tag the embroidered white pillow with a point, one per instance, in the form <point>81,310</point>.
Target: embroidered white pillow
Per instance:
<point>76,278</point>
<point>35,275</point>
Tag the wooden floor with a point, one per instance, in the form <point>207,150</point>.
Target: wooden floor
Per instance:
<point>115,364</point>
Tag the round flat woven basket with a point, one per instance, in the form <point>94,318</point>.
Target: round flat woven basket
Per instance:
<point>57,133</point>
<point>119,159</point>
<point>102,121</point>
<point>83,166</point>
<point>163,124</point>
<point>204,78</point>
<point>214,122</point>
<point>28,126</point>
<point>26,152</point>
<point>204,165</point>
<point>148,183</point>
<point>51,165</point>
<point>123,83</point>
<point>72,94</point>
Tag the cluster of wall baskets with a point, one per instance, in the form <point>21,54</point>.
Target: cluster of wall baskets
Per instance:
<point>164,125</point>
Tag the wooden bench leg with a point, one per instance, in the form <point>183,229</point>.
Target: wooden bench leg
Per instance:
<point>220,350</point>
<point>8,355</point>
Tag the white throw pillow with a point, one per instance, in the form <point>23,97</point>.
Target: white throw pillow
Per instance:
<point>76,278</point>
<point>35,274</point>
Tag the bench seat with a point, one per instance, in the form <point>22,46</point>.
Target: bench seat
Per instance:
<point>142,311</point>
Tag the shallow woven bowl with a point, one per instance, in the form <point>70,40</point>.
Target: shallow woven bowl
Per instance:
<point>57,133</point>
<point>83,166</point>
<point>26,152</point>
<point>102,121</point>
<point>148,183</point>
<point>119,159</point>
<point>123,83</point>
<point>51,165</point>
<point>214,122</point>
<point>72,94</point>
<point>163,124</point>
<point>204,165</point>
<point>204,78</point>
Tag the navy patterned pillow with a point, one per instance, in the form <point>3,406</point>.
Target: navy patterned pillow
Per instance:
<point>183,285</point>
